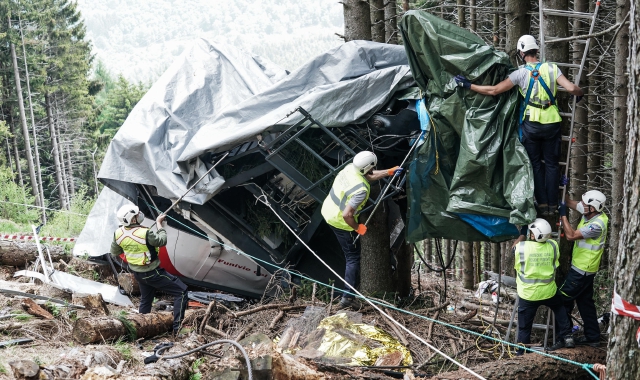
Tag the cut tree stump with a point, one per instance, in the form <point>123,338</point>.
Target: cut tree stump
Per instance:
<point>93,303</point>
<point>79,265</point>
<point>533,366</point>
<point>96,329</point>
<point>129,284</point>
<point>19,254</point>
<point>31,307</point>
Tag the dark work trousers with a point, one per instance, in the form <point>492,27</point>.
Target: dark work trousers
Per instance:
<point>159,279</point>
<point>527,312</point>
<point>542,142</point>
<point>352,257</point>
<point>579,288</point>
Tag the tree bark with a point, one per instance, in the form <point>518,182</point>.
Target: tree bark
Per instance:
<point>518,23</point>
<point>624,357</point>
<point>579,149</point>
<point>92,330</point>
<point>357,20</point>
<point>56,154</point>
<point>72,187</point>
<point>391,22</point>
<point>377,20</point>
<point>63,166</point>
<point>467,265</point>
<point>495,257</point>
<point>375,273</point>
<point>620,127</point>
<point>129,284</point>
<point>404,258</point>
<point>534,367</point>
<point>14,143</point>
<point>23,119</point>
<point>18,254</point>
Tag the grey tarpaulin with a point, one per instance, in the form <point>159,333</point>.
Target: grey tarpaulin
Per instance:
<point>201,83</point>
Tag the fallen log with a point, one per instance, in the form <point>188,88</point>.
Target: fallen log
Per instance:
<point>533,366</point>
<point>31,307</point>
<point>96,329</point>
<point>79,265</point>
<point>19,254</point>
<point>129,284</point>
<point>94,303</point>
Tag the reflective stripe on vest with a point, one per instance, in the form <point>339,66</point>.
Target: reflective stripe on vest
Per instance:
<point>588,252</point>
<point>134,244</point>
<point>347,183</point>
<point>536,269</point>
<point>538,95</point>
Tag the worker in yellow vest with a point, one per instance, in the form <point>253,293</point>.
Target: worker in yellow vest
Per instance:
<point>140,247</point>
<point>539,117</point>
<point>340,210</point>
<point>589,240</point>
<point>536,262</point>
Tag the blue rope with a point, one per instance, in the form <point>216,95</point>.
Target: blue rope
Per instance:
<point>586,366</point>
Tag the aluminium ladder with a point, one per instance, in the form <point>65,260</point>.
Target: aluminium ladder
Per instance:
<point>571,115</point>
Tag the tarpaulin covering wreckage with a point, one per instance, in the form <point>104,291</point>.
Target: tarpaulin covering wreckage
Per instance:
<point>472,179</point>
<point>286,135</point>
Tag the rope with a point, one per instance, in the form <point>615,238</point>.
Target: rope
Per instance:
<point>41,207</point>
<point>586,366</point>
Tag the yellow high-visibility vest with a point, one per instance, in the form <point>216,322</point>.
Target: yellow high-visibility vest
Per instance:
<point>134,244</point>
<point>588,252</point>
<point>536,265</point>
<point>550,114</point>
<point>348,182</point>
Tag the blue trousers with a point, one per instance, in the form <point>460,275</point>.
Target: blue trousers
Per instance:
<point>159,279</point>
<point>579,288</point>
<point>542,142</point>
<point>351,252</point>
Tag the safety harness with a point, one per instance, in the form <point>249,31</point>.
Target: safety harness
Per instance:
<point>533,77</point>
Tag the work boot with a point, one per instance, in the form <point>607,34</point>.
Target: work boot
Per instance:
<point>541,209</point>
<point>559,344</point>
<point>569,342</point>
<point>550,211</point>
<point>583,341</point>
<point>352,303</point>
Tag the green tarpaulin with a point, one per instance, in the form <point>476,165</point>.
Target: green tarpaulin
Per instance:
<point>472,165</point>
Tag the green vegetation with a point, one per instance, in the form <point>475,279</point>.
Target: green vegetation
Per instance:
<point>132,334</point>
<point>23,317</point>
<point>123,348</point>
<point>3,370</point>
<point>195,374</point>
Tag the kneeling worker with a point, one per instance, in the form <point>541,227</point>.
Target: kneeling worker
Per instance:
<point>340,209</point>
<point>536,262</point>
<point>140,247</point>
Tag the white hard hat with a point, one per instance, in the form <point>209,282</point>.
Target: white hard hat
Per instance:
<point>594,198</point>
<point>527,42</point>
<point>541,230</point>
<point>365,161</point>
<point>126,213</point>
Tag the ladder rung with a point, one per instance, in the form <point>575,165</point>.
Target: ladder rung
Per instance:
<point>562,163</point>
<point>541,326</point>
<point>581,41</point>
<point>573,65</point>
<point>565,114</point>
<point>557,12</point>
<point>565,138</point>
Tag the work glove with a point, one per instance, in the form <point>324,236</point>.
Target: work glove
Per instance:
<point>562,209</point>
<point>362,229</point>
<point>462,81</point>
<point>578,98</point>
<point>564,181</point>
<point>394,170</point>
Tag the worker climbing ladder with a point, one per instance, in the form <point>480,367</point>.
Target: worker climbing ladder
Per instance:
<point>543,12</point>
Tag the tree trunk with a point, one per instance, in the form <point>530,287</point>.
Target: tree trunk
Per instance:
<point>477,253</point>
<point>579,149</point>
<point>467,265</point>
<point>486,265</point>
<point>404,258</point>
<point>428,251</point>
<point>518,23</point>
<point>534,367</point>
<point>63,166</point>
<point>473,21</point>
<point>129,284</point>
<point>14,143</point>
<point>92,330</point>
<point>23,119</point>
<point>375,273</point>
<point>72,187</point>
<point>496,24</point>
<point>620,127</point>
<point>56,154</point>
<point>33,126</point>
<point>19,254</point>
<point>462,21</point>
<point>357,20</point>
<point>377,20</point>
<point>495,257</point>
<point>391,22</point>
<point>624,357</point>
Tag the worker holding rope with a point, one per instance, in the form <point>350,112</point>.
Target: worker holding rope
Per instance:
<point>536,263</point>
<point>589,238</point>
<point>539,117</point>
<point>348,195</point>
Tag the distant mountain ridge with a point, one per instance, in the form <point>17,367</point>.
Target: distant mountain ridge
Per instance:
<point>139,39</point>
